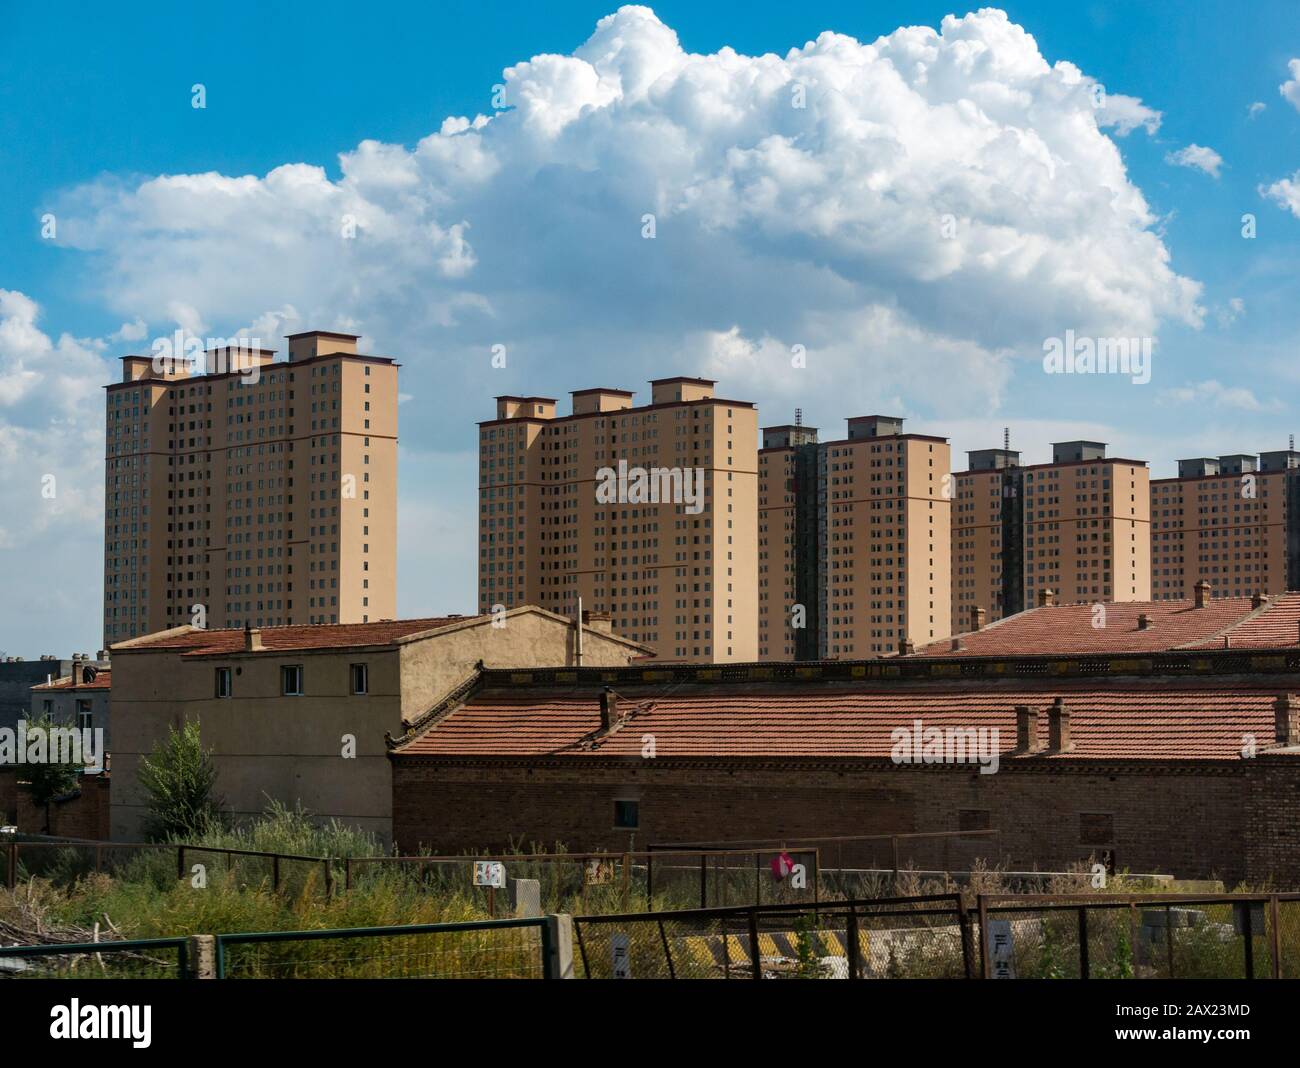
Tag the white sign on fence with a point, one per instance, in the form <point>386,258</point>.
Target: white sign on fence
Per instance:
<point>618,947</point>
<point>1002,953</point>
<point>489,873</point>
<point>599,870</point>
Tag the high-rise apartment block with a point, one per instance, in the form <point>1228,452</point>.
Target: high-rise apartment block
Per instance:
<point>1233,521</point>
<point>853,538</point>
<point>256,492</point>
<point>1079,527</point>
<point>646,514</point>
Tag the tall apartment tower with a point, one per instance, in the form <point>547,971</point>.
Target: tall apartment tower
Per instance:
<point>1079,527</point>
<point>853,541</point>
<point>1233,521</point>
<point>646,514</point>
<point>254,492</point>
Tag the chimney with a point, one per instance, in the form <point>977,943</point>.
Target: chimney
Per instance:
<point>906,647</point>
<point>1258,600</point>
<point>1046,598</point>
<point>1144,621</point>
<point>1202,591</point>
<point>1286,716</point>
<point>958,645</point>
<point>253,639</point>
<point>1026,729</point>
<point>976,617</point>
<point>1058,726</point>
<point>608,709</point>
<point>597,621</point>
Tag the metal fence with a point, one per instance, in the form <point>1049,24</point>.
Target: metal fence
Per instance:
<point>616,882</point>
<point>64,861</point>
<point>148,958</point>
<point>1140,936</point>
<point>491,949</point>
<point>928,936</point>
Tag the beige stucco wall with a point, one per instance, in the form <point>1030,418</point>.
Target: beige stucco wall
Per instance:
<point>290,749</point>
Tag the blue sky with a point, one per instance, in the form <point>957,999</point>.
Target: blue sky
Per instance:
<point>530,248</point>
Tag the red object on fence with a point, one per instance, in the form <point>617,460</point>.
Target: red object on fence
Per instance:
<point>782,865</point>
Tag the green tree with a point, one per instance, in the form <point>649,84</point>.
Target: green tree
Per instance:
<point>179,777</point>
<point>49,775</point>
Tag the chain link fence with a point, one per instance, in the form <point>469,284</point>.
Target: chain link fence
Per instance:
<point>502,949</point>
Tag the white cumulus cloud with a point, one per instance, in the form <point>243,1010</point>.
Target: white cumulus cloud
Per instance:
<point>1198,157</point>
<point>1285,192</point>
<point>1290,89</point>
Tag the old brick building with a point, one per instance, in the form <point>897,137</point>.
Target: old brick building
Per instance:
<point>1184,761</point>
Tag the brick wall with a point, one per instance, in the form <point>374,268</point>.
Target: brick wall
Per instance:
<point>8,796</point>
<point>1273,811</point>
<point>84,815</point>
<point>1193,822</point>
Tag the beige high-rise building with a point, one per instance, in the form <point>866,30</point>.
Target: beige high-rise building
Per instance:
<point>1232,521</point>
<point>646,514</point>
<point>1079,527</point>
<point>257,492</point>
<point>853,538</point>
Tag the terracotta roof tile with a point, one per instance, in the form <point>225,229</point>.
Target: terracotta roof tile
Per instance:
<point>103,681</point>
<point>1276,627</point>
<point>194,642</point>
<point>1072,629</point>
<point>1165,721</point>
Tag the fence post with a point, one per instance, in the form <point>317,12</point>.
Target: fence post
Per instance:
<point>627,878</point>
<point>347,873</point>
<point>1277,938</point>
<point>853,948</point>
<point>275,872</point>
<point>202,957</point>
<point>1084,964</point>
<point>984,938</point>
<point>967,938</point>
<point>557,946</point>
<point>1249,936</point>
<point>13,863</point>
<point>755,958</point>
<point>329,878</point>
<point>704,881</point>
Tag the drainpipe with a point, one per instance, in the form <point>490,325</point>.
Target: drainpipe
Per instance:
<point>579,625</point>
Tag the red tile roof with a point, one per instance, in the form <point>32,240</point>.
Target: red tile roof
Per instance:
<point>1071,629</point>
<point>1277,626</point>
<point>103,681</point>
<point>194,642</point>
<point>1170,720</point>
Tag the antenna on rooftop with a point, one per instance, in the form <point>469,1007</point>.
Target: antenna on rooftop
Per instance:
<point>1292,445</point>
<point>798,419</point>
<point>1006,438</point>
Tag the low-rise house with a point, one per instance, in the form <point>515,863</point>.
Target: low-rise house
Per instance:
<point>82,700</point>
<point>299,714</point>
<point>18,676</point>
